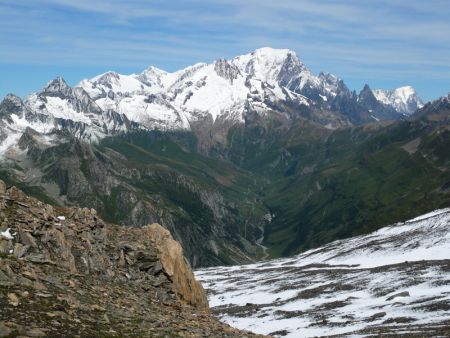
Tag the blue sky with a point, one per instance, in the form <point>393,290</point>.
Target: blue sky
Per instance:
<point>385,43</point>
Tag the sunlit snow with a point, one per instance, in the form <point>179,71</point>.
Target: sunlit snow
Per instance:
<point>397,278</point>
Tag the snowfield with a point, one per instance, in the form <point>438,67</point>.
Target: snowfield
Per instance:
<point>395,280</point>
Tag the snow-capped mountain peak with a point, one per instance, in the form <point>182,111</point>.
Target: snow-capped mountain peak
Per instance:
<point>11,104</point>
<point>403,99</point>
<point>153,76</point>
<point>12,99</point>
<point>106,78</point>
<point>266,63</point>
<point>112,83</point>
<point>56,86</point>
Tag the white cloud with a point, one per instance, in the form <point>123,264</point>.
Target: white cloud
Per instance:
<point>387,36</point>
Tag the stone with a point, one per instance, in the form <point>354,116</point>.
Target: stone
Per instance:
<point>377,315</point>
<point>13,299</point>
<point>20,250</point>
<point>98,308</point>
<point>400,294</point>
<point>26,238</point>
<point>30,275</point>
<point>156,269</point>
<point>5,246</point>
<point>174,265</point>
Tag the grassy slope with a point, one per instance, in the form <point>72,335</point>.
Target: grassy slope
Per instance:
<point>362,179</point>
<point>167,157</point>
<point>162,153</point>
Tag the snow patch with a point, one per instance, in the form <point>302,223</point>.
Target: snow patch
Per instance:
<point>7,234</point>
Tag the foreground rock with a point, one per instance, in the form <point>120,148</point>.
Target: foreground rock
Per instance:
<point>64,272</point>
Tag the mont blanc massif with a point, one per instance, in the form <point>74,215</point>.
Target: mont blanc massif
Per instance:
<point>305,208</point>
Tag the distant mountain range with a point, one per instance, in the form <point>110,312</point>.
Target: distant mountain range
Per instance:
<point>226,90</point>
<point>233,155</point>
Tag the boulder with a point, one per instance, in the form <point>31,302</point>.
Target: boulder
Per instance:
<point>175,266</point>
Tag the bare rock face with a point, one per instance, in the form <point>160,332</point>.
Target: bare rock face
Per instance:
<point>176,267</point>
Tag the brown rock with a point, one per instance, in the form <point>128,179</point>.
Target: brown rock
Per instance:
<point>96,307</point>
<point>63,277</point>
<point>30,275</point>
<point>13,299</point>
<point>175,266</point>
<point>20,250</point>
<point>2,187</point>
<point>26,238</point>
<point>5,246</point>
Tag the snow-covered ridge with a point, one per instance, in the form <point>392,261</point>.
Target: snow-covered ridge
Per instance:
<point>56,107</point>
<point>220,88</point>
<point>403,99</point>
<point>394,279</point>
<point>223,88</point>
<point>263,81</point>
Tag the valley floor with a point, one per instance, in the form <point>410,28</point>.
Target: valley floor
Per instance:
<point>393,281</point>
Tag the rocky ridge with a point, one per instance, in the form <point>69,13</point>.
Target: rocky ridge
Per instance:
<point>65,272</point>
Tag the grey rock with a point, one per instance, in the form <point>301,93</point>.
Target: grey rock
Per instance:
<point>5,331</point>
<point>400,294</point>
<point>20,250</point>
<point>377,315</point>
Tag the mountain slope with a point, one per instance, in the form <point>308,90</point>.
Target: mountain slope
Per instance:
<point>395,281</point>
<point>317,183</point>
<point>145,177</point>
<point>356,180</point>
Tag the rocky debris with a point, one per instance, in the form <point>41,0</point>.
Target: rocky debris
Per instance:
<point>65,272</point>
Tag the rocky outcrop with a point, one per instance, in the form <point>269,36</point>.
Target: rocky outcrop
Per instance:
<point>176,266</point>
<point>65,272</point>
